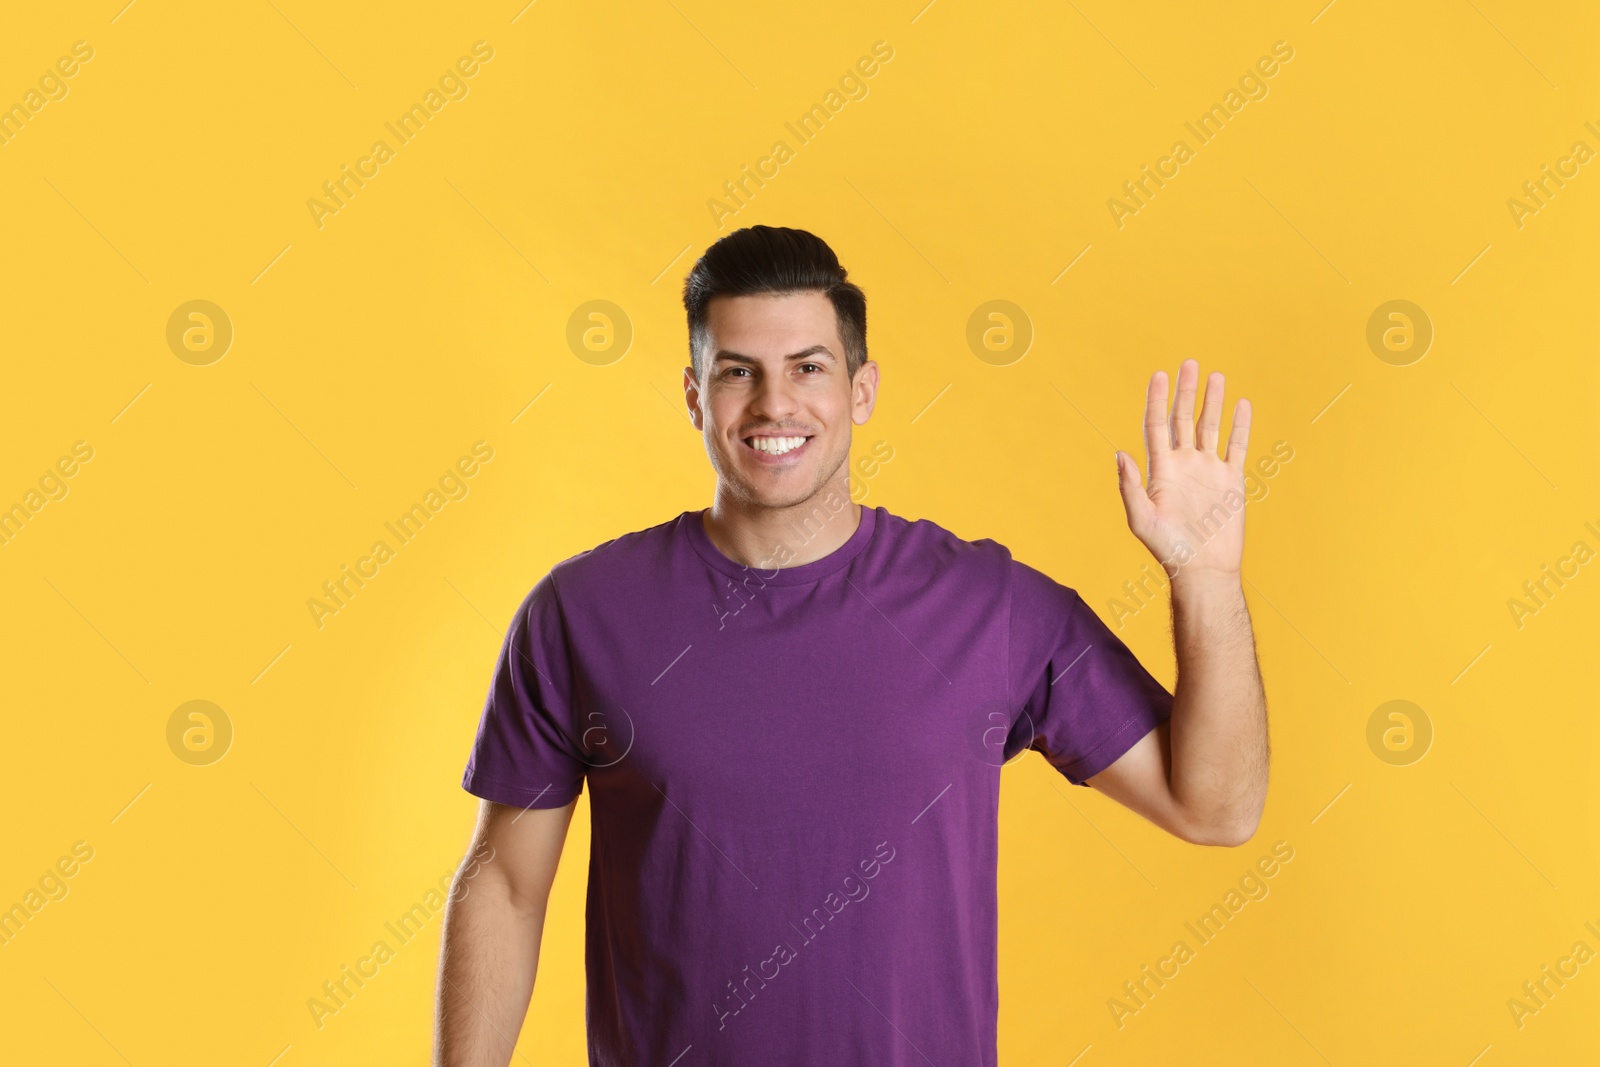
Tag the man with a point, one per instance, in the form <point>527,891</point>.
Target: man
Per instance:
<point>791,712</point>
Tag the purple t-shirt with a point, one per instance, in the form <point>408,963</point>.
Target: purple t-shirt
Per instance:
<point>794,780</point>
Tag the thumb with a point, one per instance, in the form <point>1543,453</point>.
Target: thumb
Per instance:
<point>1135,501</point>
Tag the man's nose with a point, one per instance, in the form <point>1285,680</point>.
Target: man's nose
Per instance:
<point>774,398</point>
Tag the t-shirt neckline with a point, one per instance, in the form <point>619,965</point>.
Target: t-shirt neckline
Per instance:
<point>773,574</point>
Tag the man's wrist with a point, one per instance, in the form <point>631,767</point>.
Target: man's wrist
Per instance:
<point>1201,587</point>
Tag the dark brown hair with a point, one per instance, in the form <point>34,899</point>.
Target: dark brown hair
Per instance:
<point>780,260</point>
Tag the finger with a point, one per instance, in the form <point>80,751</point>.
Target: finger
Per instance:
<point>1183,404</point>
<point>1239,437</point>
<point>1211,413</point>
<point>1156,434</point>
<point>1135,500</point>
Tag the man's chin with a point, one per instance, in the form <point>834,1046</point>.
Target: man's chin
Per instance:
<point>777,488</point>
<point>784,491</point>
<point>774,499</point>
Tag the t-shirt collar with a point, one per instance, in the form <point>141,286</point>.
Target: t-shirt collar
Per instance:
<point>773,572</point>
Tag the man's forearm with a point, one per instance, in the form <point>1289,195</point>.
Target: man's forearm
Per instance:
<point>1219,716</point>
<point>488,956</point>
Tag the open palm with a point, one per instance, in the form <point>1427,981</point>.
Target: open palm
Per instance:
<point>1191,514</point>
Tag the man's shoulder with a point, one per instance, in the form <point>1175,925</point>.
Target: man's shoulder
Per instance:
<point>618,558</point>
<point>939,547</point>
<point>944,548</point>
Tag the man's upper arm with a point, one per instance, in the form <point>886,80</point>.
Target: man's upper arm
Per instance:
<point>1088,705</point>
<point>527,751</point>
<point>517,850</point>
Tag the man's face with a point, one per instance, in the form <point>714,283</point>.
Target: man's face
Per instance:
<point>776,403</point>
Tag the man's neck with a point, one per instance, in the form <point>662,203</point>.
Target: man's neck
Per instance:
<point>783,537</point>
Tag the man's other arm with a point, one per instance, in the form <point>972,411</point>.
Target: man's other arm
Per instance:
<point>1202,775</point>
<point>489,947</point>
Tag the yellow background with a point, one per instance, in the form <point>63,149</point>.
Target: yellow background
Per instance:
<point>426,314</point>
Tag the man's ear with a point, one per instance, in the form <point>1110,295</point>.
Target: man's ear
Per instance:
<point>864,393</point>
<point>691,397</point>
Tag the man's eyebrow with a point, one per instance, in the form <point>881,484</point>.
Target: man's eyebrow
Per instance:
<point>724,355</point>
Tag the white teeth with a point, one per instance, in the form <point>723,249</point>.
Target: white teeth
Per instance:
<point>776,446</point>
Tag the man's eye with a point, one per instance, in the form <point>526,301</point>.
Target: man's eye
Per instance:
<point>816,365</point>
<point>732,370</point>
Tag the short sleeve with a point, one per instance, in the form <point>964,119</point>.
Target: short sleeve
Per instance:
<point>524,754</point>
<point>1085,698</point>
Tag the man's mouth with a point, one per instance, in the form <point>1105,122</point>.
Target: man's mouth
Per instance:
<point>776,446</point>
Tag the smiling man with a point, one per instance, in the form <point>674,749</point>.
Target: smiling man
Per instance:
<point>791,714</point>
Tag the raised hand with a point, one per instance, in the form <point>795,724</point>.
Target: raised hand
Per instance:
<point>1191,514</point>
